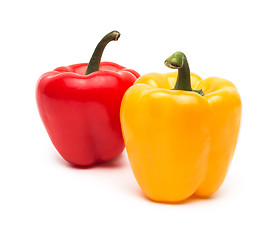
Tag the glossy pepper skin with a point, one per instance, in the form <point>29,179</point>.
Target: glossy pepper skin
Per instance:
<point>81,112</point>
<point>179,140</point>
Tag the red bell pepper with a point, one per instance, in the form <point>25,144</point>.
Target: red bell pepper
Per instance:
<point>80,104</point>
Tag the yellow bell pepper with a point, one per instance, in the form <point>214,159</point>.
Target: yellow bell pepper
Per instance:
<point>180,131</point>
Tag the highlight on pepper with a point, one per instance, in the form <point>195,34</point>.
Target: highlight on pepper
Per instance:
<point>80,104</point>
<point>180,131</point>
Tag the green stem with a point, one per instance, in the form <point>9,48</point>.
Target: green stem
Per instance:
<point>95,60</point>
<point>179,61</point>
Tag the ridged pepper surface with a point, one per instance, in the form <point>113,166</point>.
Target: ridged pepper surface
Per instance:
<point>180,131</point>
<point>80,105</point>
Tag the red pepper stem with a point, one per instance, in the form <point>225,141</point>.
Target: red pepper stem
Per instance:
<point>179,61</point>
<point>95,60</point>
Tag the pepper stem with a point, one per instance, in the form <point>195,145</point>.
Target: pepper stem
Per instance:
<point>95,60</point>
<point>179,61</point>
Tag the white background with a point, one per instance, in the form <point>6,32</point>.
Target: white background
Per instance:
<point>43,197</point>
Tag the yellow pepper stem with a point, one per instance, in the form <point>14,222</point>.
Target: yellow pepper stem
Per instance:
<point>179,61</point>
